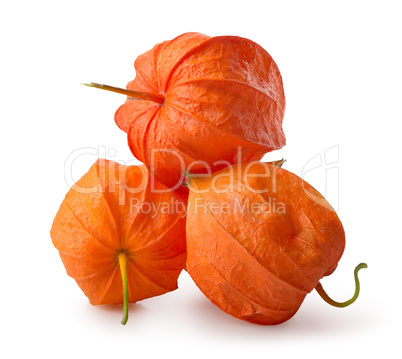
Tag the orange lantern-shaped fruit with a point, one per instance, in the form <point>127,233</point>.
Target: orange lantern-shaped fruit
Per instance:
<point>202,102</point>
<point>259,239</point>
<point>121,235</point>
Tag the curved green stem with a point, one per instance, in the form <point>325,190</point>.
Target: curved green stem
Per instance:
<point>158,98</point>
<point>123,269</point>
<point>325,296</point>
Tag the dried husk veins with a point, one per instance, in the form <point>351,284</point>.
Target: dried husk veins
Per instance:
<point>91,229</point>
<point>226,91</point>
<point>259,266</point>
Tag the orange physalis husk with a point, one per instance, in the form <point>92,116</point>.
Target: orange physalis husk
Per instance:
<point>117,231</point>
<point>259,239</point>
<point>199,101</point>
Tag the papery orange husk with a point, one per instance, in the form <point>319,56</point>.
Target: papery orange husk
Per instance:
<point>223,103</point>
<point>259,239</point>
<point>113,209</point>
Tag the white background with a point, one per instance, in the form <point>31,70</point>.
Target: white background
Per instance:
<point>341,66</point>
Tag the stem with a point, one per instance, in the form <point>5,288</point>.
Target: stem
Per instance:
<point>325,296</point>
<point>135,94</point>
<point>123,269</point>
<point>186,174</point>
<point>278,163</point>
